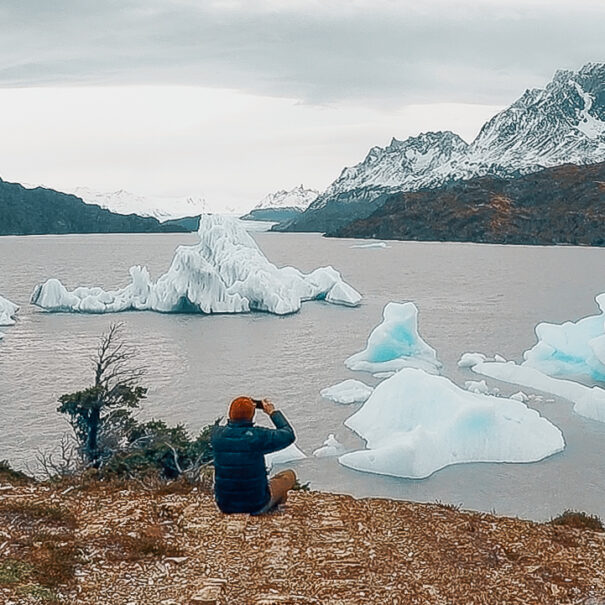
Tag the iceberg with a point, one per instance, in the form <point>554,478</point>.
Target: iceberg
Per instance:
<point>347,391</point>
<point>415,423</point>
<point>588,401</point>
<point>226,272</point>
<point>371,245</point>
<point>572,348</point>
<point>477,386</point>
<point>331,447</point>
<point>288,454</point>
<point>395,344</point>
<point>8,310</point>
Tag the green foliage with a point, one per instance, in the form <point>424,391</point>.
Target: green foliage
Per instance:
<point>10,475</point>
<point>155,446</point>
<point>13,571</point>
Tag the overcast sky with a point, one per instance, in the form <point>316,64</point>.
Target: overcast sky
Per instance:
<point>233,99</point>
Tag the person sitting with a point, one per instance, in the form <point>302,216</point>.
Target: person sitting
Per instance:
<point>240,478</point>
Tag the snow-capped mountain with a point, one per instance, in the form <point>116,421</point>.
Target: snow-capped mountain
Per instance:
<point>124,202</point>
<point>282,205</point>
<point>562,123</point>
<point>299,197</point>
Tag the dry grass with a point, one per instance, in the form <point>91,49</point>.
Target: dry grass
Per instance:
<point>150,542</point>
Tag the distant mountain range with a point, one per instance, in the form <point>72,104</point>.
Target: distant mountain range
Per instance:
<point>563,123</point>
<point>282,205</point>
<point>561,205</point>
<point>125,202</point>
<point>26,211</point>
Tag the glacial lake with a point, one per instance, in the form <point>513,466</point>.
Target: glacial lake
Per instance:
<point>471,297</point>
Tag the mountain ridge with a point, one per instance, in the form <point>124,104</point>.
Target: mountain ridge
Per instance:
<point>561,123</point>
<point>41,211</point>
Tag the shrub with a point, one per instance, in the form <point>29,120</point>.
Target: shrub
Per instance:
<point>578,520</point>
<point>12,476</point>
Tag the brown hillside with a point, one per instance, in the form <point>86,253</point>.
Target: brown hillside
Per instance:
<point>562,205</point>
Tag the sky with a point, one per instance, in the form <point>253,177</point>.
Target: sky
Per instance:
<point>230,100</point>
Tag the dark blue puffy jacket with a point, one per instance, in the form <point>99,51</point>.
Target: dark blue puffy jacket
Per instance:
<point>240,475</point>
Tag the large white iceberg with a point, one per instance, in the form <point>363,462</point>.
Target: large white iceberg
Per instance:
<point>348,391</point>
<point>396,344</point>
<point>588,401</point>
<point>571,348</point>
<point>415,423</point>
<point>8,310</point>
<point>225,272</point>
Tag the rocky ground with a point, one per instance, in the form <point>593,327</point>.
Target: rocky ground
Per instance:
<point>122,544</point>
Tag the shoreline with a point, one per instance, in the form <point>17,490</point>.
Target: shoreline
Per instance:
<point>170,545</point>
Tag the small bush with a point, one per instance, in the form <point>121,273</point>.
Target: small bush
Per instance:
<point>13,571</point>
<point>12,476</point>
<point>301,487</point>
<point>578,520</point>
<point>39,593</point>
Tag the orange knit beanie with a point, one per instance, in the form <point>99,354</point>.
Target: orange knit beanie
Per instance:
<point>242,408</point>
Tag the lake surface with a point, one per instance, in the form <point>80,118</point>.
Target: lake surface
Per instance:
<point>471,297</point>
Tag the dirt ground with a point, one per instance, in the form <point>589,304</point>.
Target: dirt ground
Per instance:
<point>104,544</point>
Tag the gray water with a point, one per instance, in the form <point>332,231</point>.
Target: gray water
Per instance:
<point>471,298</point>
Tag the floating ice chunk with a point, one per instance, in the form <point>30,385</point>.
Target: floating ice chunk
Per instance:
<point>347,391</point>
<point>475,386</point>
<point>588,401</point>
<point>468,360</point>
<point>331,447</point>
<point>371,245</point>
<point>415,423</point>
<point>520,396</point>
<point>571,348</point>
<point>8,310</point>
<point>288,454</point>
<point>395,344</point>
<point>499,358</point>
<point>226,272</point>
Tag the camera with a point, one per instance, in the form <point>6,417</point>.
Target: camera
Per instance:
<point>257,402</point>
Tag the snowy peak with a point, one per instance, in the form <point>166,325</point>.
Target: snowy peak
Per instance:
<point>125,202</point>
<point>299,197</point>
<point>562,123</point>
<point>416,161</point>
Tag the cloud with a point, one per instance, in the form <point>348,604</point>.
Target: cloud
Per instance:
<point>381,52</point>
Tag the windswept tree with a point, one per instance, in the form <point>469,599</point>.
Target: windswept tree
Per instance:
<point>101,415</point>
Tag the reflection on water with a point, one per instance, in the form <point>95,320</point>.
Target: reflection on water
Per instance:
<point>471,298</point>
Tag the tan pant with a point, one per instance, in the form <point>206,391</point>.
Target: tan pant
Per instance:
<point>279,486</point>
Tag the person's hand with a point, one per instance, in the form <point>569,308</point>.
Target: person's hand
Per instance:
<point>268,407</point>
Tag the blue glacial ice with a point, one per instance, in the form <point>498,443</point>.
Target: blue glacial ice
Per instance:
<point>572,348</point>
<point>415,423</point>
<point>395,344</point>
<point>226,272</point>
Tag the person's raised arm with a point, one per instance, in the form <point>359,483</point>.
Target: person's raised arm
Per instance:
<point>283,434</point>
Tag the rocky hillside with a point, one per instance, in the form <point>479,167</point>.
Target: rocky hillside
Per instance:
<point>562,123</point>
<point>41,211</point>
<point>562,205</point>
<point>96,543</point>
